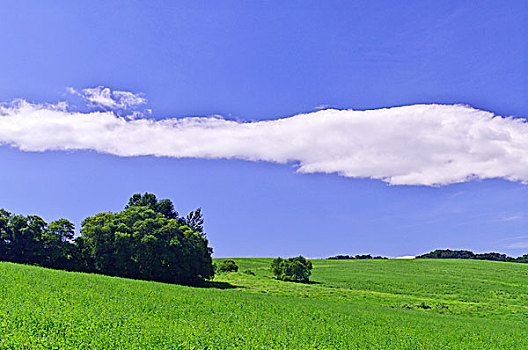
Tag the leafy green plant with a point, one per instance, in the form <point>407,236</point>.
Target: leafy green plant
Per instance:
<point>293,269</point>
<point>227,266</point>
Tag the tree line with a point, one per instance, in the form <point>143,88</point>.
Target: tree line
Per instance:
<point>467,254</point>
<point>359,257</point>
<point>147,240</point>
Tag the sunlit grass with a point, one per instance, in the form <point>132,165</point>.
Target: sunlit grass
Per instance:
<point>382,304</point>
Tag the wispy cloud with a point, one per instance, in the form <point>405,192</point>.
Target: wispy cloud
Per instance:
<point>512,218</point>
<point>104,97</point>
<point>518,245</point>
<point>410,145</point>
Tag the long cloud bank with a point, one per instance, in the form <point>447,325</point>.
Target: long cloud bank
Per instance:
<point>410,145</point>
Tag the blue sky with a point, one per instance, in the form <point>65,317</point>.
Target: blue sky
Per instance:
<point>253,61</point>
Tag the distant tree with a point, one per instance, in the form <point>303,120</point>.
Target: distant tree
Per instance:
<point>341,257</point>
<point>522,259</point>
<point>448,254</point>
<point>365,256</point>
<point>296,269</point>
<point>493,257</point>
<point>466,254</point>
<point>227,266</point>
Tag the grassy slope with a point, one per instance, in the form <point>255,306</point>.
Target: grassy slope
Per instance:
<point>354,304</point>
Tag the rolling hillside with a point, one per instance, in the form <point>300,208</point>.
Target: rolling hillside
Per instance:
<point>377,304</point>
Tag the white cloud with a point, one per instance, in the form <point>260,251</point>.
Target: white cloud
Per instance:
<point>104,97</point>
<point>411,145</point>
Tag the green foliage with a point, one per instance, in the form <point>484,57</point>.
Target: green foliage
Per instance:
<point>57,244</point>
<point>164,206</point>
<point>30,240</point>
<point>293,269</point>
<point>195,221</point>
<point>227,266</point>
<point>448,254</point>
<point>355,304</point>
<point>146,241</point>
<point>359,257</point>
<point>466,254</point>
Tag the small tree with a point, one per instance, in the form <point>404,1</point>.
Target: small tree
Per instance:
<point>293,269</point>
<point>228,266</point>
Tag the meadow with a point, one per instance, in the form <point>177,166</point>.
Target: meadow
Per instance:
<point>350,304</point>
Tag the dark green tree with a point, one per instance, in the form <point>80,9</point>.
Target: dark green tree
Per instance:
<point>147,241</point>
<point>4,233</point>
<point>30,240</point>
<point>227,266</point>
<point>195,221</point>
<point>164,206</point>
<point>24,235</point>
<point>296,269</point>
<point>57,248</point>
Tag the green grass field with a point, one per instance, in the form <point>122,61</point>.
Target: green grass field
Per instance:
<point>376,304</point>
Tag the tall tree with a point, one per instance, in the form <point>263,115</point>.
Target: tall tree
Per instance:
<point>5,235</point>
<point>26,238</point>
<point>57,245</point>
<point>195,221</point>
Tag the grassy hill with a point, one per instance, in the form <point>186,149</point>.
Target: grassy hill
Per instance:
<point>362,304</point>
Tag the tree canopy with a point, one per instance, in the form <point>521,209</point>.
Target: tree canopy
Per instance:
<point>292,269</point>
<point>147,240</point>
<point>359,257</point>
<point>466,254</point>
<point>228,265</point>
<point>30,240</point>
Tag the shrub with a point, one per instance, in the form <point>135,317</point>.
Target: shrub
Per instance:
<point>228,266</point>
<point>249,272</point>
<point>293,269</point>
